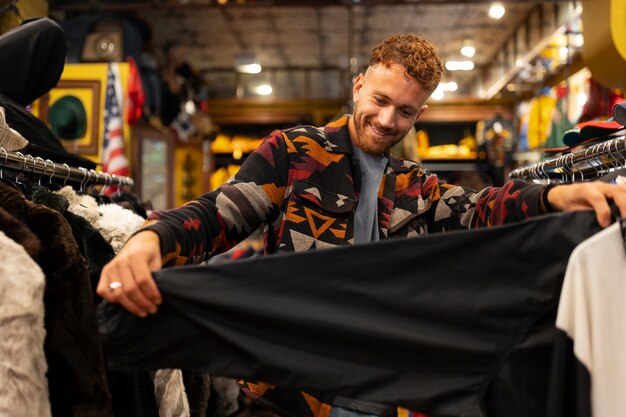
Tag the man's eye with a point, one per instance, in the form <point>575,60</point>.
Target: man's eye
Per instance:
<point>379,100</point>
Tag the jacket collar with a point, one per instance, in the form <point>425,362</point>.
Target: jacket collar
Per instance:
<point>338,136</point>
<point>338,141</point>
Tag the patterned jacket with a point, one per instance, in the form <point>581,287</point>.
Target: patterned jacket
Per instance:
<point>302,186</point>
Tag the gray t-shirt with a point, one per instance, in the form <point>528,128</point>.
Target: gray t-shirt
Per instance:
<point>366,216</point>
<point>365,230</point>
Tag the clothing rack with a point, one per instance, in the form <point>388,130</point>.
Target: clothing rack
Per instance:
<point>586,164</point>
<point>28,165</point>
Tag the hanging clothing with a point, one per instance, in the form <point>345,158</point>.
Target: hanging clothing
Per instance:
<point>92,246</point>
<point>393,321</point>
<point>591,313</point>
<point>132,395</point>
<point>24,387</point>
<point>115,225</point>
<point>76,375</point>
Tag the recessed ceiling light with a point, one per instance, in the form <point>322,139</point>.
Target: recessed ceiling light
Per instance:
<point>247,63</point>
<point>459,65</point>
<point>496,11</point>
<point>468,49</point>
<point>263,89</point>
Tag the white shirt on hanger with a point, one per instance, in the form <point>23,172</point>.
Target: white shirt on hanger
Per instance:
<point>592,311</point>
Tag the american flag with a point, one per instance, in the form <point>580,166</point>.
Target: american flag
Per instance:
<point>113,158</point>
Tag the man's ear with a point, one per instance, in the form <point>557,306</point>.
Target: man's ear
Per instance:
<point>356,87</point>
<point>420,112</point>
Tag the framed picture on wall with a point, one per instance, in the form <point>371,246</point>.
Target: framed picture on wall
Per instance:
<point>72,110</point>
<point>152,165</point>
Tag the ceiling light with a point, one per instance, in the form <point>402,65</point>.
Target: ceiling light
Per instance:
<point>452,86</point>
<point>263,89</point>
<point>459,65</point>
<point>247,64</point>
<point>468,49</point>
<point>496,11</point>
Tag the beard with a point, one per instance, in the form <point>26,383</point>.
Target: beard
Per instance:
<point>366,140</point>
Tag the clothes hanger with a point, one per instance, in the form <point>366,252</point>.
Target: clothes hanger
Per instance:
<point>83,181</point>
<point>52,186</point>
<point>21,186</point>
<point>7,181</point>
<point>68,174</point>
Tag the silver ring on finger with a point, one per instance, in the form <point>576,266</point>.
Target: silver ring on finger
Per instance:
<point>113,285</point>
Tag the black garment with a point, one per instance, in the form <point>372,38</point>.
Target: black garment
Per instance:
<point>76,375</point>
<point>33,56</point>
<point>435,324</point>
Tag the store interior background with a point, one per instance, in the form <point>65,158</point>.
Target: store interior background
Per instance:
<point>539,69</point>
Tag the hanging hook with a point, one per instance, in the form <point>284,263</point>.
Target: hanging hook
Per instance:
<point>68,173</point>
<point>613,159</point>
<point>544,173</point>
<point>83,180</point>
<point>17,179</point>
<point>571,167</point>
<point>32,171</point>
<point>45,166</point>
<point>54,167</point>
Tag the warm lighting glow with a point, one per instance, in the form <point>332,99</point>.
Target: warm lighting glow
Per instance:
<point>496,11</point>
<point>249,68</point>
<point>263,89</point>
<point>459,65</point>
<point>577,40</point>
<point>468,49</point>
<point>452,86</point>
<point>247,64</point>
<point>190,107</point>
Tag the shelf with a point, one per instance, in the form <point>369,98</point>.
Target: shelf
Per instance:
<point>440,165</point>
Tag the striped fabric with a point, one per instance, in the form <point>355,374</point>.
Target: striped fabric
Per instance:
<point>113,157</point>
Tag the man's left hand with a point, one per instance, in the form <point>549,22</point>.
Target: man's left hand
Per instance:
<point>589,196</point>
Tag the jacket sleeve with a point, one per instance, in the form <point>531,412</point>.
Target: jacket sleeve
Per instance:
<point>455,207</point>
<point>217,221</point>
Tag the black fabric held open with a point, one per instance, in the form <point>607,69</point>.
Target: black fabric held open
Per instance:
<point>435,324</point>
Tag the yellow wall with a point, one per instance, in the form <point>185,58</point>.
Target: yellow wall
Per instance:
<point>604,51</point>
<point>94,72</point>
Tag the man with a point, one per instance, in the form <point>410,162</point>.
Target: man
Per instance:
<point>322,187</point>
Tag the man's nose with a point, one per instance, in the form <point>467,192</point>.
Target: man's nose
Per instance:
<point>386,117</point>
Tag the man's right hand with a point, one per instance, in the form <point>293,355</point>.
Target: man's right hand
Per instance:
<point>127,279</point>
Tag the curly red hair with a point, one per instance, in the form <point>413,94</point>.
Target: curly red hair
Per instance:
<point>418,56</point>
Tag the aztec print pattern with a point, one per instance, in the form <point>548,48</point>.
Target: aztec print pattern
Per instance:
<point>302,186</point>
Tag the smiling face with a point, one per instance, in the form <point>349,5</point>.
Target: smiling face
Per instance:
<point>387,102</point>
